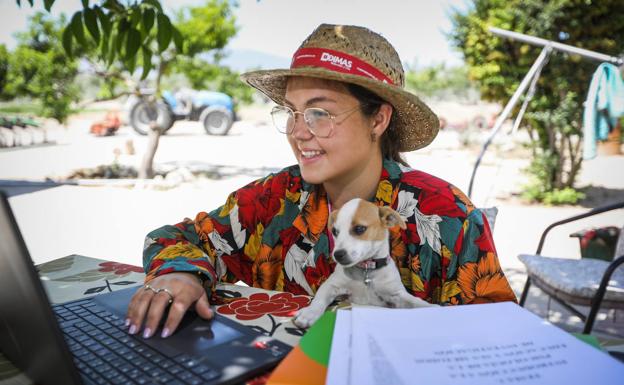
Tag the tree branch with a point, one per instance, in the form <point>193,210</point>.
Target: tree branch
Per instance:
<point>83,104</point>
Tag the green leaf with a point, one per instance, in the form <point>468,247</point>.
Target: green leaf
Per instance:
<point>121,27</point>
<point>112,49</point>
<point>77,28</point>
<point>90,20</point>
<point>113,5</point>
<point>104,20</point>
<point>178,40</point>
<point>147,61</point>
<point>121,38</point>
<point>148,21</point>
<point>67,40</point>
<point>164,32</point>
<point>155,4</point>
<point>104,46</point>
<point>85,4</point>
<point>135,17</point>
<point>47,4</point>
<point>133,42</point>
<point>131,63</point>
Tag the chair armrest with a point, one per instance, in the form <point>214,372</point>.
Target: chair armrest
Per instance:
<point>594,211</point>
<point>600,293</point>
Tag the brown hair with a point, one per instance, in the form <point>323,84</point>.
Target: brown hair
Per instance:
<point>371,103</point>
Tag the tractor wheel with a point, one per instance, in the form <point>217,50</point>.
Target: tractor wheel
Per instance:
<point>217,120</point>
<point>142,114</point>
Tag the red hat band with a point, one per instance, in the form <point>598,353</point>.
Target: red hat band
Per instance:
<point>338,62</point>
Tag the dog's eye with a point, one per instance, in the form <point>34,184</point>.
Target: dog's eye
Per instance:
<point>334,231</point>
<point>359,229</point>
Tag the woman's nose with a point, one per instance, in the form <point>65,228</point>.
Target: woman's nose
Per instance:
<point>300,129</point>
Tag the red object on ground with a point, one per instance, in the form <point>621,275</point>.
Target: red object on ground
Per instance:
<point>106,127</point>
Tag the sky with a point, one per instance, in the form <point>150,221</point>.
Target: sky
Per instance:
<point>275,28</point>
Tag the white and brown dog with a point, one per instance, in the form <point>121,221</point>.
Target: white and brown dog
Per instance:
<point>364,270</point>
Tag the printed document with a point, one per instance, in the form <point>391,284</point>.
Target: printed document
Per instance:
<point>483,344</point>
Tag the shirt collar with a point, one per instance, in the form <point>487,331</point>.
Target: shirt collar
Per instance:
<point>312,218</point>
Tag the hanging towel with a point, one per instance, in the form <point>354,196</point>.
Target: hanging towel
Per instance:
<point>603,106</point>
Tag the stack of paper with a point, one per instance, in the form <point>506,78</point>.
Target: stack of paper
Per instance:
<point>472,344</point>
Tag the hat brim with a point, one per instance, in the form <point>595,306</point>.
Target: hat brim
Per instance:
<point>415,123</point>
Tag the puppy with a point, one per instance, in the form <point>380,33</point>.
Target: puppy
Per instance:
<point>364,270</point>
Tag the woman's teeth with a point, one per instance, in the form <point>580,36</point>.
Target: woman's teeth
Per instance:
<point>310,154</point>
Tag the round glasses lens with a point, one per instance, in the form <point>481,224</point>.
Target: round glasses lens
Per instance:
<point>319,121</point>
<point>282,119</point>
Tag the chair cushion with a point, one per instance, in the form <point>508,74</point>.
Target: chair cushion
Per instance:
<point>576,277</point>
<point>490,214</point>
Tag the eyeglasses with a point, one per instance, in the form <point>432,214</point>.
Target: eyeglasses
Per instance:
<point>319,121</point>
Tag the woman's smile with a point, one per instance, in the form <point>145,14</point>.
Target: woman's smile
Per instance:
<point>308,156</point>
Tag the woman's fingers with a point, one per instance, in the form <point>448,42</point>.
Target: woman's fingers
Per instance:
<point>157,307</point>
<point>195,294</point>
<point>138,307</point>
<point>176,313</point>
<point>202,307</point>
<point>149,305</point>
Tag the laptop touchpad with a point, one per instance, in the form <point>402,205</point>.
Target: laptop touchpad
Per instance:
<point>194,335</point>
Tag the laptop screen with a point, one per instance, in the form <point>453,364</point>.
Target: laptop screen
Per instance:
<point>29,334</point>
<point>215,351</point>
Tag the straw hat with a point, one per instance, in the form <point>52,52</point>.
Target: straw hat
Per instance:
<point>360,56</point>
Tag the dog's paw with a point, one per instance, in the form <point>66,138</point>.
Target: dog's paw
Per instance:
<point>306,317</point>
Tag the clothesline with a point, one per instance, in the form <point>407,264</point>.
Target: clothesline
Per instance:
<point>530,79</point>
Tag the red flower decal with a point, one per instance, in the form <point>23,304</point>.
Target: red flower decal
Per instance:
<point>119,268</point>
<point>259,304</point>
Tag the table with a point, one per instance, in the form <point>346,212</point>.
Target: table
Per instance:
<point>76,276</point>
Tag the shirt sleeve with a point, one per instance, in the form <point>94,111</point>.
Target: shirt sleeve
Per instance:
<point>223,244</point>
<point>211,245</point>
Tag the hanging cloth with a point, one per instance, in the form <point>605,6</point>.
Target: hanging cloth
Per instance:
<point>603,107</point>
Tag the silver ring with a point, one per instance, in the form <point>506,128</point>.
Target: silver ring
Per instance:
<point>168,293</point>
<point>148,287</point>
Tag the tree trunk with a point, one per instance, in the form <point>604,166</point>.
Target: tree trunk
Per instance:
<point>576,160</point>
<point>147,165</point>
<point>561,160</point>
<point>532,136</point>
<point>551,152</point>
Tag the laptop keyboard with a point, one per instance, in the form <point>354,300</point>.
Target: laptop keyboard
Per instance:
<point>105,353</point>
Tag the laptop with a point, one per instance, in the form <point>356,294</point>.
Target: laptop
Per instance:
<point>85,341</point>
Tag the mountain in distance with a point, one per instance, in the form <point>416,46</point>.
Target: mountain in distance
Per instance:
<point>242,60</point>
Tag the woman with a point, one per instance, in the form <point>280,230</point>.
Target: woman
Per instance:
<point>347,118</point>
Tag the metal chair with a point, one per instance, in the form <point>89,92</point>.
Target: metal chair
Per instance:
<point>586,282</point>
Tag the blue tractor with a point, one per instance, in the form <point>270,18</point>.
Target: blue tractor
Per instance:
<point>215,110</point>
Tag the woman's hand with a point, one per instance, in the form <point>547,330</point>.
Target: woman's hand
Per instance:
<point>178,291</point>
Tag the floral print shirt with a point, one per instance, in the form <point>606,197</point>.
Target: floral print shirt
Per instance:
<point>272,234</point>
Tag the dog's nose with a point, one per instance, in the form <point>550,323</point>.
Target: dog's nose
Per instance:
<point>340,255</point>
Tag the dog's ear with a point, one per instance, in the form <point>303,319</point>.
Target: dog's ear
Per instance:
<point>332,218</point>
<point>390,218</point>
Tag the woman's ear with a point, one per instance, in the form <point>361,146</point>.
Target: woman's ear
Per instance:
<point>381,120</point>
